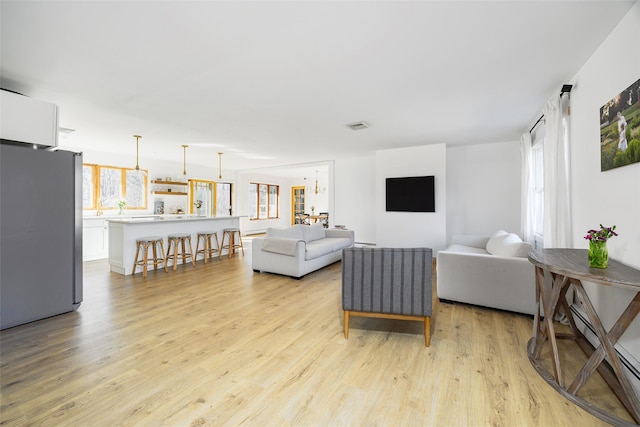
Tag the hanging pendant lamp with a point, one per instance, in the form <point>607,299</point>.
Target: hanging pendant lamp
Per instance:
<point>184,157</point>
<point>137,137</point>
<point>219,165</point>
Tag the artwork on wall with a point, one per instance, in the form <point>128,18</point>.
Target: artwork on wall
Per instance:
<point>620,129</point>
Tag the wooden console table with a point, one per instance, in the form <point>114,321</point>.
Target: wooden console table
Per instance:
<point>556,271</point>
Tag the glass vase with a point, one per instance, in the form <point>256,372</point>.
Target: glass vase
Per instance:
<point>598,254</point>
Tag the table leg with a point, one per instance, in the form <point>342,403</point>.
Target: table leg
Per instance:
<point>550,303</point>
<point>607,349</point>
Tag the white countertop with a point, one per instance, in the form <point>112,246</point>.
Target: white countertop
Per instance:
<point>162,218</point>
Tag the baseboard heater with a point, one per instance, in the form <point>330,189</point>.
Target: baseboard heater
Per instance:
<point>631,365</point>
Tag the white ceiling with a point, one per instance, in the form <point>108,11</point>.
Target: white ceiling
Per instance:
<point>275,83</point>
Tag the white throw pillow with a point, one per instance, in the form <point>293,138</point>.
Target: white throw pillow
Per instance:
<point>494,240</point>
<point>313,232</point>
<point>286,233</point>
<point>506,245</point>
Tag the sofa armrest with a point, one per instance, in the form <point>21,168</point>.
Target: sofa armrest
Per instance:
<point>263,260</point>
<point>470,240</point>
<point>336,232</point>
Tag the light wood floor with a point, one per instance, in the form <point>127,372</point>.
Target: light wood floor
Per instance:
<point>220,345</point>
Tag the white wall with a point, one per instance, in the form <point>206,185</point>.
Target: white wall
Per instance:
<point>481,192</point>
<point>611,197</point>
<point>412,229</point>
<point>483,189</point>
<point>354,191</point>
<point>242,201</point>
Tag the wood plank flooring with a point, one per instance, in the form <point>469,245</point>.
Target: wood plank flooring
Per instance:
<point>220,345</point>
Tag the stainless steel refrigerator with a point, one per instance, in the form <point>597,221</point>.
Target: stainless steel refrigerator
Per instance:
<point>40,233</point>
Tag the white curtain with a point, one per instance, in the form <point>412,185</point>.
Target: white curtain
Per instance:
<point>557,196</point>
<point>526,201</point>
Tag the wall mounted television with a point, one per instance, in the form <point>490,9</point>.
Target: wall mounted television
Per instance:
<point>411,194</point>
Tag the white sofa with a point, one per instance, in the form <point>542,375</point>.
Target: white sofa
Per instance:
<point>490,271</point>
<point>299,250</point>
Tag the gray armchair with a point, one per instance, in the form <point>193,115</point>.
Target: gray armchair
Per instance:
<point>390,283</point>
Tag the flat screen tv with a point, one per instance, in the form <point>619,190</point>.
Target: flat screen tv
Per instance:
<point>411,194</point>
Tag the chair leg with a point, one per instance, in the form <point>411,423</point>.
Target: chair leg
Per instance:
<point>175,254</point>
<point>346,324</point>
<point>427,331</point>
<point>207,246</point>
<point>204,256</point>
<point>193,259</point>
<point>135,261</point>
<point>241,245</point>
<point>155,255</point>
<point>164,259</point>
<point>145,248</point>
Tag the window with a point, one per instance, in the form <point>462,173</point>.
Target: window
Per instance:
<point>104,186</point>
<point>88,187</point>
<point>223,206</point>
<point>263,201</point>
<point>215,197</point>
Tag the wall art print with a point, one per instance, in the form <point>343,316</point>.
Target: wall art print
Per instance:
<point>620,129</point>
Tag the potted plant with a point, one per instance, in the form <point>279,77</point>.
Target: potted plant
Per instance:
<point>598,253</point>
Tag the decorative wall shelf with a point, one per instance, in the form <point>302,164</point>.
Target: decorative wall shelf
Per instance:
<point>166,192</point>
<point>169,182</point>
<point>170,193</point>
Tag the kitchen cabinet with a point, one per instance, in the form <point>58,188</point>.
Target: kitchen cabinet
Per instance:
<point>28,120</point>
<point>95,239</point>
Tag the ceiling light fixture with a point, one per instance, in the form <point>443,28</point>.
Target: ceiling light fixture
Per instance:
<point>137,137</point>
<point>317,189</point>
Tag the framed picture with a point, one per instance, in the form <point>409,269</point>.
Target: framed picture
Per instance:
<point>620,129</point>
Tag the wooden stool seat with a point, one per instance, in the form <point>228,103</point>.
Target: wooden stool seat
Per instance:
<point>178,242</point>
<point>207,249</point>
<point>144,244</point>
<point>231,245</point>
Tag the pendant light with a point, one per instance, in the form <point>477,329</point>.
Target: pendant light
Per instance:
<point>184,157</point>
<point>137,137</point>
<point>219,165</point>
<point>317,189</point>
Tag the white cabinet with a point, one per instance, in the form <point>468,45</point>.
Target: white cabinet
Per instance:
<point>28,120</point>
<point>95,239</point>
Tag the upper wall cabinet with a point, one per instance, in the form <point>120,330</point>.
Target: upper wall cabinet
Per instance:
<point>28,120</point>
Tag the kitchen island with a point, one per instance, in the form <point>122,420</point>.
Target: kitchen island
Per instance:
<point>123,233</point>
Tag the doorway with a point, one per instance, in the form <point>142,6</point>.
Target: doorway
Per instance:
<point>297,203</point>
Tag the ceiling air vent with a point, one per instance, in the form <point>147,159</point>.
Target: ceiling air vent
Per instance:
<point>358,125</point>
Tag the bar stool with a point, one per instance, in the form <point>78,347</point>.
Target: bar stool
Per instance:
<point>144,244</point>
<point>230,234</point>
<point>180,251</point>
<point>207,249</point>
